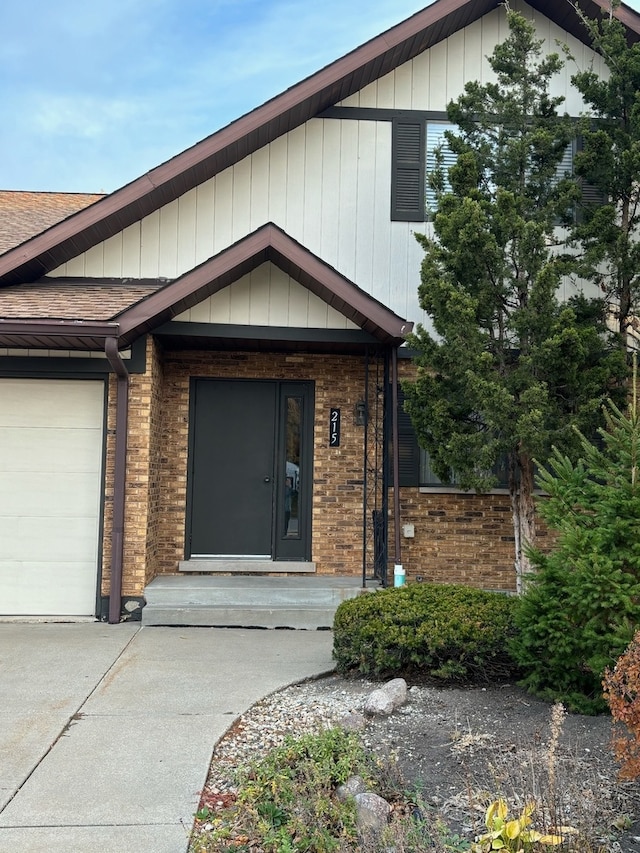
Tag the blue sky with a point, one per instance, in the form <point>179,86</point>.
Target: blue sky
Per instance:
<point>93,94</point>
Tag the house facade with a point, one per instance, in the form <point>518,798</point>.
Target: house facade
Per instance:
<point>199,373</point>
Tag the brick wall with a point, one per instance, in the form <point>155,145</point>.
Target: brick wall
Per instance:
<point>459,538</point>
<point>462,538</point>
<point>337,492</point>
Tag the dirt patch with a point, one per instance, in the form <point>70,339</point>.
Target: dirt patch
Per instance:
<point>461,747</point>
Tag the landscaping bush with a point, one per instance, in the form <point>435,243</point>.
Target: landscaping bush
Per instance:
<point>582,605</point>
<point>443,631</point>
<point>622,693</point>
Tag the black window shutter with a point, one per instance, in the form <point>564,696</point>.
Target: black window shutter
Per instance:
<point>408,449</point>
<point>408,169</point>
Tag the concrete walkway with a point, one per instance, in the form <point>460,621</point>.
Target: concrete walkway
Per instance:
<point>106,731</point>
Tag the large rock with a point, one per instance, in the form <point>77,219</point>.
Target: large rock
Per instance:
<point>354,785</point>
<point>384,700</point>
<point>372,811</point>
<point>397,690</point>
<point>379,703</point>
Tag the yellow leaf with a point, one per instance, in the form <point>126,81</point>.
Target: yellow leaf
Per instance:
<point>496,811</point>
<point>551,839</point>
<point>513,829</point>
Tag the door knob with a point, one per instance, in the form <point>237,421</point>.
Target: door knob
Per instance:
<point>267,479</point>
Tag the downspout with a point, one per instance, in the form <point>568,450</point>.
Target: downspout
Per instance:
<point>119,477</point>
<point>396,457</point>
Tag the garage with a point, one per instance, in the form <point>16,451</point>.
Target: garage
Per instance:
<point>51,458</point>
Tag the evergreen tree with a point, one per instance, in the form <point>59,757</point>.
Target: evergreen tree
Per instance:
<point>609,164</point>
<point>509,367</point>
<point>582,606</point>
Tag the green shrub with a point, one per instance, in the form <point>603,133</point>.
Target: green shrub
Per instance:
<point>582,605</point>
<point>444,631</point>
<point>286,800</point>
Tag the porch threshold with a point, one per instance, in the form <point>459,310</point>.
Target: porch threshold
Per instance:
<point>235,566</point>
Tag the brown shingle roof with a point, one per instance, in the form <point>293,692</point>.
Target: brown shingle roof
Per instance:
<point>25,214</point>
<point>64,299</point>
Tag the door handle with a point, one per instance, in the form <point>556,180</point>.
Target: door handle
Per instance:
<point>267,479</point>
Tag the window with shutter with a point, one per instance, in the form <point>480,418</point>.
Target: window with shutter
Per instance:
<point>415,142</point>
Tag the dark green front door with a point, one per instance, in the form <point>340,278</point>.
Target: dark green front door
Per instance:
<point>250,469</point>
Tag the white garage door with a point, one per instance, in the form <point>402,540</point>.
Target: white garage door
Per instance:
<point>50,487</point>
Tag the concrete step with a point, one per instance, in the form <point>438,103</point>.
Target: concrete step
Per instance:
<point>246,601</point>
<point>211,616</point>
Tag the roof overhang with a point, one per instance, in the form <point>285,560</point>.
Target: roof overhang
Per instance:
<point>56,334</point>
<point>269,243</point>
<point>69,238</point>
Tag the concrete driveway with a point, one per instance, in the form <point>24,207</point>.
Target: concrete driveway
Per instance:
<point>106,731</point>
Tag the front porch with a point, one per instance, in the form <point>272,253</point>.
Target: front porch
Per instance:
<point>248,601</point>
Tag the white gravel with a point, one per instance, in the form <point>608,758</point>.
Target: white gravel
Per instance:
<point>299,709</point>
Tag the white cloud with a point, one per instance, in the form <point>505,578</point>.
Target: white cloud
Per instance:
<point>84,117</point>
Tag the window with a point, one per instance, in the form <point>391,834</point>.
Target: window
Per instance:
<point>436,139</point>
<point>415,140</point>
<point>429,480</point>
<point>414,468</point>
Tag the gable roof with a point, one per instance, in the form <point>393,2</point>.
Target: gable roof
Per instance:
<point>307,99</point>
<point>25,214</point>
<point>153,303</point>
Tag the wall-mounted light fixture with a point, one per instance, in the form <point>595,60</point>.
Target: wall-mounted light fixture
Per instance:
<point>361,413</point>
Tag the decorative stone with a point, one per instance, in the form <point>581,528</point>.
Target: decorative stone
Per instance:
<point>397,690</point>
<point>354,785</point>
<point>372,811</point>
<point>379,703</point>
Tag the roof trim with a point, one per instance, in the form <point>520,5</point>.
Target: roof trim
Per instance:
<point>268,243</point>
<point>69,238</point>
<point>55,334</point>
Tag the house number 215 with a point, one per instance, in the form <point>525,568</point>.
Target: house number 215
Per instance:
<point>334,428</point>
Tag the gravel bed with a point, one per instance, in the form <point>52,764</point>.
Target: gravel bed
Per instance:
<point>447,743</point>
<point>296,710</point>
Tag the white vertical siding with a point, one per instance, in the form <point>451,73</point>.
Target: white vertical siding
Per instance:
<point>149,246</point>
<point>295,182</point>
<point>204,220</point>
<point>187,223</point>
<point>267,297</point>
<point>326,183</point>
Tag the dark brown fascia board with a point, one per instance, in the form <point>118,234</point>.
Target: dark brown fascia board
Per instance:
<point>66,328</point>
<point>268,243</point>
<point>55,334</point>
<point>79,232</point>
